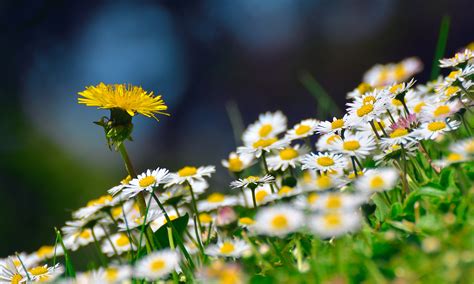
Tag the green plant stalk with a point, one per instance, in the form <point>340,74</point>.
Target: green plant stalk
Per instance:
<point>107,235</point>
<point>374,129</point>
<point>69,266</point>
<point>129,234</point>
<point>24,267</point>
<point>171,241</point>
<point>265,166</point>
<point>354,166</point>
<point>299,254</point>
<point>194,204</point>
<point>253,198</point>
<point>404,174</point>
<point>440,46</point>
<point>102,258</point>
<point>179,240</point>
<point>144,228</point>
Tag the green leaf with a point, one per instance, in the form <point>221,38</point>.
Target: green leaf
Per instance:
<point>383,209</point>
<point>396,211</point>
<point>440,46</point>
<point>161,235</point>
<point>423,192</point>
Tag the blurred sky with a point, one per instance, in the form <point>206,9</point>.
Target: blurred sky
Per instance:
<point>201,56</point>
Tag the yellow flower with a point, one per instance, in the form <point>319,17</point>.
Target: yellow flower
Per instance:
<point>131,99</point>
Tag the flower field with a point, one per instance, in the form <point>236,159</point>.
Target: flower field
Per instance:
<point>382,194</point>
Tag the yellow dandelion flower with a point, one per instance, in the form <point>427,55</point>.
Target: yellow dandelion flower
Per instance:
<point>132,99</point>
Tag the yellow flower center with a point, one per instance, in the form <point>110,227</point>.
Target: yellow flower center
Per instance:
<point>227,248</point>
<point>260,195</point>
<point>400,72</point>
<point>334,202</point>
<point>436,125</point>
<point>229,276</point>
<point>353,176</point>
<point>351,145</point>
<point>383,75</point>
<point>122,241</point>
<point>470,147</point>
<point>246,221</point>
<point>364,88</point>
<point>216,197</point>
<point>265,130</point>
<point>365,109</point>
<point>369,100</point>
<point>86,234</point>
<point>454,157</point>
<point>279,222</point>
<point>285,190</point>
<point>235,164</point>
<point>187,171</point>
<point>16,278</point>
<point>332,220</point>
<point>172,217</point>
<point>418,107</point>
<point>45,251</point>
<point>323,181</point>
<point>146,181</point>
<point>111,274</point>
<point>252,179</point>
<point>338,123</point>
<point>157,265</point>
<point>99,201</point>
<point>441,110</point>
<point>205,218</point>
<point>38,270</point>
<point>451,90</point>
<point>396,102</point>
<point>332,138</point>
<point>377,182</point>
<point>325,161</point>
<point>288,154</point>
<point>126,180</point>
<point>302,129</point>
<point>399,132</point>
<point>116,211</point>
<point>453,74</point>
<point>395,88</point>
<point>262,143</point>
<point>312,198</point>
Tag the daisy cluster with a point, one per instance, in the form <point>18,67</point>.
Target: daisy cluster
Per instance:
<point>312,180</point>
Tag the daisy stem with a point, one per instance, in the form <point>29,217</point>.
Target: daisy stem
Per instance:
<point>405,107</point>
<point>390,116</point>
<point>69,267</point>
<point>170,239</point>
<point>466,125</point>
<point>102,258</point>
<point>253,198</point>
<point>149,247</point>
<point>465,91</point>
<point>354,166</point>
<point>361,168</point>
<point>23,265</point>
<point>381,128</point>
<point>243,197</point>
<point>299,254</point>
<point>265,165</point>
<point>130,239</point>
<point>374,129</point>
<point>308,143</point>
<point>195,209</point>
<point>107,235</point>
<point>404,175</point>
<point>209,228</point>
<point>179,240</point>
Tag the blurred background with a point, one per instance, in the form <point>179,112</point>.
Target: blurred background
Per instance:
<point>207,58</point>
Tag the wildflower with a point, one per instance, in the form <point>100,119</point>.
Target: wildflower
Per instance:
<point>263,195</point>
<point>335,223</point>
<point>440,111</point>
<point>398,136</point>
<point>252,181</point>
<point>134,219</point>
<point>46,252</point>
<point>228,248</point>
<point>451,158</point>
<point>325,141</point>
<point>111,274</point>
<point>44,273</point>
<point>77,235</point>
<point>246,222</point>
<point>267,126</point>
<point>287,157</point>
<point>225,216</point>
<point>131,99</point>
<point>436,128</point>
<point>11,274</point>
<point>336,202</point>
<point>324,161</point>
<point>260,146</point>
<point>222,273</point>
<point>146,182</point>
<point>464,147</point>
<point>303,129</point>
<point>93,206</point>
<point>375,180</point>
<point>356,145</point>
<point>191,175</point>
<point>118,188</point>
<point>278,220</point>
<point>216,200</point>
<point>323,181</point>
<point>119,243</point>
<point>361,89</point>
<point>458,59</point>
<point>237,163</point>
<point>157,265</point>
<point>382,75</point>
<point>337,124</point>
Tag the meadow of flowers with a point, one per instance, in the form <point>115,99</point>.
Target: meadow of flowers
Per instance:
<point>381,194</point>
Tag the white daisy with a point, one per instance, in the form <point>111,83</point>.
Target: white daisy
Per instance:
<point>94,206</point>
<point>161,220</point>
<point>287,157</point>
<point>134,219</point>
<point>458,59</point>
<point>228,248</point>
<point>334,224</point>
<point>451,158</point>
<point>376,180</point>
<point>324,161</point>
<point>320,182</point>
<point>109,275</point>
<point>46,252</point>
<point>267,126</point>
<point>279,220</point>
<point>76,235</point>
<point>382,75</point>
<point>439,111</point>
<point>359,91</point>
<point>398,136</point>
<point>329,127</point>
<point>437,128</point>
<point>263,145</point>
<point>362,112</point>
<point>9,273</point>
<point>237,163</point>
<point>337,202</point>
<point>355,145</point>
<point>325,141</point>
<point>216,200</point>
<point>191,175</point>
<point>464,147</point>
<point>263,195</point>
<point>303,129</point>
<point>157,265</point>
<point>252,181</point>
<point>146,181</point>
<point>44,273</point>
<point>120,244</point>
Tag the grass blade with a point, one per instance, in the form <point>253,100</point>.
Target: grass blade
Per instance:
<point>325,104</point>
<point>440,46</point>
